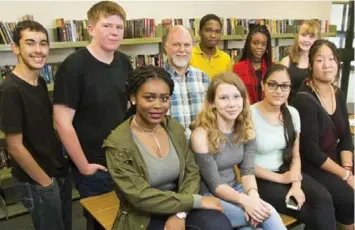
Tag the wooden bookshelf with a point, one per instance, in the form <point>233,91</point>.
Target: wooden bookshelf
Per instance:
<point>158,40</point>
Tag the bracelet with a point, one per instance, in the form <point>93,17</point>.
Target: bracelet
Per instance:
<point>347,176</point>
<point>252,189</point>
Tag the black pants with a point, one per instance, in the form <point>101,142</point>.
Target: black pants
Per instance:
<point>197,219</point>
<point>316,213</point>
<point>92,185</point>
<point>342,194</point>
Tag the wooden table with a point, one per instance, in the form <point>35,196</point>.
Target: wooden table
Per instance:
<point>103,208</point>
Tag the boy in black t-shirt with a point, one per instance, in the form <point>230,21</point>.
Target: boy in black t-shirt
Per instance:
<point>89,98</point>
<point>40,170</point>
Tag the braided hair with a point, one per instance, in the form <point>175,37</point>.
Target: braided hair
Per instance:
<point>247,52</point>
<point>140,76</point>
<point>289,129</point>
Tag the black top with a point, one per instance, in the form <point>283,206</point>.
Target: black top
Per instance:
<point>27,109</point>
<point>298,75</point>
<point>96,91</point>
<point>322,135</point>
<point>259,76</point>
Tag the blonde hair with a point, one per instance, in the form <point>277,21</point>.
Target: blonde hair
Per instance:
<point>105,8</point>
<point>309,27</point>
<point>207,117</point>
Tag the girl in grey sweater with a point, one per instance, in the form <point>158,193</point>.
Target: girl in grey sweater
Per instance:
<point>223,137</point>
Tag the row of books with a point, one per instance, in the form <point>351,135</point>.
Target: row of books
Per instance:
<point>76,30</point>
<point>71,30</point>
<point>49,70</point>
<point>277,53</point>
<point>6,29</point>
<point>233,26</point>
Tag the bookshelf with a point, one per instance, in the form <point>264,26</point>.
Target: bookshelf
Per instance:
<point>158,40</point>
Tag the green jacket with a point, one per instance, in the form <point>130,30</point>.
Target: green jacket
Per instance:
<point>137,199</point>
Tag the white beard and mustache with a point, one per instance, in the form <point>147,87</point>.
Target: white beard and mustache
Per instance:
<point>179,62</point>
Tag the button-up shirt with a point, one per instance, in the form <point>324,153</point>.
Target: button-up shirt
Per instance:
<point>188,96</point>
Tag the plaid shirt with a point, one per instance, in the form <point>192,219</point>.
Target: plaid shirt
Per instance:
<point>188,96</point>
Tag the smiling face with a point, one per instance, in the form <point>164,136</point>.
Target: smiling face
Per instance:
<point>211,34</point>
<point>306,38</point>
<point>178,47</point>
<point>277,88</point>
<point>324,66</point>
<point>228,102</point>
<point>258,45</point>
<point>32,50</point>
<point>152,102</point>
<point>108,32</point>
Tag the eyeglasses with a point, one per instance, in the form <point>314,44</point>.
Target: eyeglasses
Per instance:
<point>275,86</point>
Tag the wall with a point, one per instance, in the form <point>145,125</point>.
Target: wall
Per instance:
<point>46,11</point>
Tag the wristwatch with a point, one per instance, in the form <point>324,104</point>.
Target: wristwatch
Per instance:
<point>181,215</point>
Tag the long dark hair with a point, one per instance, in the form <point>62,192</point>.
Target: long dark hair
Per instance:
<point>247,52</point>
<point>289,129</point>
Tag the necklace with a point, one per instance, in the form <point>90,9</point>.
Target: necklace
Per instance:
<point>143,129</point>
<point>150,131</point>
<point>321,101</point>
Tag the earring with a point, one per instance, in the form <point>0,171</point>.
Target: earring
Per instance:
<point>133,102</point>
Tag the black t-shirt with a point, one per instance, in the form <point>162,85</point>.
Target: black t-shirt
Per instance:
<point>96,91</point>
<point>27,109</point>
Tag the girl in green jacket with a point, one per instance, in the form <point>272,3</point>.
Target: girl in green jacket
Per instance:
<point>153,168</point>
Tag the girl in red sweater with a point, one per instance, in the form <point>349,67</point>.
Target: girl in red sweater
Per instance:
<point>256,58</point>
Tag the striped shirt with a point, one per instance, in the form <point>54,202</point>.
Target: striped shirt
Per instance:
<point>188,96</point>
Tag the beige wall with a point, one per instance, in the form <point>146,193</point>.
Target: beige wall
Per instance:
<point>46,11</point>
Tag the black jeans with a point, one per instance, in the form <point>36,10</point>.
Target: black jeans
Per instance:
<point>197,219</point>
<point>50,207</point>
<point>316,213</point>
<point>92,185</point>
<point>342,194</point>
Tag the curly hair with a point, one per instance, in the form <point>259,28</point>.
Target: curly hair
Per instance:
<point>207,117</point>
<point>142,74</point>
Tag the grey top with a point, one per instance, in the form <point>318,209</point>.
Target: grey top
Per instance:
<point>163,173</point>
<point>218,169</point>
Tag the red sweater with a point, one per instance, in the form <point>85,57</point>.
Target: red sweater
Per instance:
<point>246,72</point>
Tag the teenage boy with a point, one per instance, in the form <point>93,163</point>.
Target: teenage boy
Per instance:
<point>40,170</point>
<point>89,97</point>
<point>206,55</point>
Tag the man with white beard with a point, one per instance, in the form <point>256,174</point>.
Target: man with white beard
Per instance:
<point>190,83</point>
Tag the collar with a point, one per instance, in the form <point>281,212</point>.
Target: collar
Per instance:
<point>173,73</point>
<point>199,51</point>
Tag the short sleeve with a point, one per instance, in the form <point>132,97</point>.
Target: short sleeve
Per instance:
<point>68,84</point>
<point>11,113</point>
<point>295,118</point>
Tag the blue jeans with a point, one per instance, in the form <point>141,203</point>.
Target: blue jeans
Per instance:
<point>197,219</point>
<point>235,214</point>
<point>50,207</point>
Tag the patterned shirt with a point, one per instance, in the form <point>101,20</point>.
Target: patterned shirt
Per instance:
<point>188,96</point>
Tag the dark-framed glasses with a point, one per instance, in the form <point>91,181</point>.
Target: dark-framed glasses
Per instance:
<point>285,87</point>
